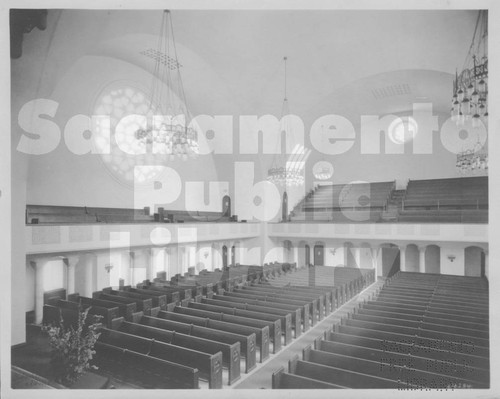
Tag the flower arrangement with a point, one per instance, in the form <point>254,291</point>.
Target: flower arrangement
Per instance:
<point>73,347</point>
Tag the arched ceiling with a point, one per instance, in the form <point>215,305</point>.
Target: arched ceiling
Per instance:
<point>232,60</point>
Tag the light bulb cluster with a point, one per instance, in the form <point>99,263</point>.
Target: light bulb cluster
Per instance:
<point>470,95</point>
<point>471,161</point>
<point>281,176</point>
<point>175,140</point>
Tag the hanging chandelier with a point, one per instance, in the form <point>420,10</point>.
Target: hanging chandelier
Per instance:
<point>168,129</point>
<point>473,160</point>
<point>470,96</point>
<point>283,173</point>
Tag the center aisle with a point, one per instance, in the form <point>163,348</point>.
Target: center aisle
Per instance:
<point>261,377</point>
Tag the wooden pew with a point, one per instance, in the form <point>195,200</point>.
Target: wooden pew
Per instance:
<point>126,310</point>
<point>423,317</point>
<point>209,366</point>
<point>261,334</point>
<point>275,303</point>
<point>243,316</point>
<point>442,328</point>
<point>384,367</point>
<point>149,371</point>
<point>282,380</point>
<point>423,342</point>
<point>295,315</point>
<point>338,376</point>
<point>419,332</point>
<point>143,305</point>
<point>230,352</point>
<point>242,321</point>
<point>444,366</point>
<point>391,346</point>
<point>327,293</point>
<point>248,343</point>
<point>159,299</point>
<point>372,305</point>
<point>183,293</point>
<point>316,302</point>
<point>108,314</point>
<point>147,300</point>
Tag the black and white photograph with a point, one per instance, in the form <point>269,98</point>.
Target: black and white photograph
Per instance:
<point>272,196</point>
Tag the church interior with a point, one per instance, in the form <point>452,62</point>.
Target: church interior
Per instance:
<point>249,199</point>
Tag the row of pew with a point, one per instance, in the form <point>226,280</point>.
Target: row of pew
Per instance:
<point>52,214</point>
<point>450,200</point>
<point>419,332</point>
<point>204,336</point>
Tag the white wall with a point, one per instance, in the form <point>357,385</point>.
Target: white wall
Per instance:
<point>457,266</point>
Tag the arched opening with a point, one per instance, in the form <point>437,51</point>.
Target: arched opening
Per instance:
<point>288,252</point>
<point>365,256</point>
<point>412,258</point>
<point>349,260</point>
<point>474,262</point>
<point>307,255</point>
<point>226,206</point>
<point>233,255</point>
<point>284,208</point>
<point>224,256</point>
<point>301,254</point>
<point>390,260</point>
<point>433,259</point>
<point>319,255</point>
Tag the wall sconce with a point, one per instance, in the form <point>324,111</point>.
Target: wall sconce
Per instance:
<point>451,257</point>
<point>333,251</point>
<point>205,254</point>
<point>108,267</point>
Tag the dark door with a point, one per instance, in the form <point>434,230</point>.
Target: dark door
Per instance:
<point>483,265</point>
<point>319,255</point>
<point>233,255</point>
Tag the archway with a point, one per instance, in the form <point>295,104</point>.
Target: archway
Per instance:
<point>301,254</point>
<point>233,255</point>
<point>307,253</point>
<point>288,252</point>
<point>474,261</point>
<point>224,256</point>
<point>433,259</point>
<point>226,206</point>
<point>365,256</point>
<point>390,259</point>
<point>349,260</point>
<point>412,259</point>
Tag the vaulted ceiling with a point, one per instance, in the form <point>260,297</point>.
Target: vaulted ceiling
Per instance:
<point>232,60</point>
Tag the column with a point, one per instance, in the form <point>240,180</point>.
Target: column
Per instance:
<point>378,261</point>
<point>486,264</point>
<point>402,258</point>
<point>131,267</point>
<point>216,256</point>
<point>150,262</point>
<point>70,262</point>
<point>174,260</point>
<point>38,265</point>
<point>88,279</point>
<point>421,251</point>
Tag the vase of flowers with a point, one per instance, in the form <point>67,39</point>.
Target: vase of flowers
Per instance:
<point>72,347</point>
